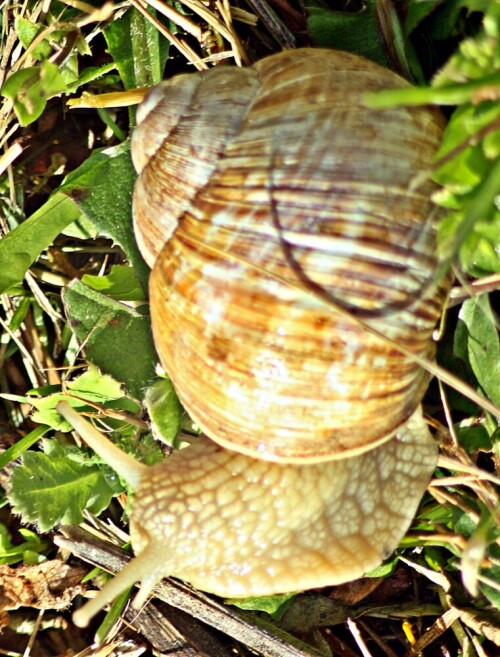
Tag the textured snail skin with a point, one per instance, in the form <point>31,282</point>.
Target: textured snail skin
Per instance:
<point>263,366</point>
<point>238,526</point>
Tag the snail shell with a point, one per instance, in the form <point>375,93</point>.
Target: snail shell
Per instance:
<point>235,163</point>
<point>256,188</point>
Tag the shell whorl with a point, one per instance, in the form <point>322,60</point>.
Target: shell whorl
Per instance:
<point>261,364</point>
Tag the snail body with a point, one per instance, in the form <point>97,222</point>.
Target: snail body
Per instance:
<point>286,235</point>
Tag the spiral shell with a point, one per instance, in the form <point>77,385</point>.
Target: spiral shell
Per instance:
<point>269,183</point>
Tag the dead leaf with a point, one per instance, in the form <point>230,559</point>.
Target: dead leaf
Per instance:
<point>48,585</point>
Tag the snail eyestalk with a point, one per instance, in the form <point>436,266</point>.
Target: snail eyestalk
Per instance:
<point>138,569</point>
<point>125,465</point>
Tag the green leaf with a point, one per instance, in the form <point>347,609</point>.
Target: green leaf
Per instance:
<point>138,50</point>
<point>21,446</point>
<point>95,386</point>
<point>491,592</point>
<point>27,551</point>
<point>27,32</point>
<point>91,386</point>
<point>90,74</point>
<point>117,338</point>
<point>473,438</point>
<point>164,410</point>
<point>417,11</point>
<point>102,188</point>
<point>49,488</point>
<point>483,345</point>
<point>31,88</point>
<point>477,56</point>
<point>274,605</point>
<point>462,233</point>
<point>121,283</point>
<point>22,246</point>
<point>462,136</point>
<point>352,31</point>
<point>385,569</point>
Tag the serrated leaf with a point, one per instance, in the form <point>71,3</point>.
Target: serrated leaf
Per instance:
<point>102,189</point>
<point>117,338</point>
<point>482,344</point>
<point>49,488</point>
<point>92,386</point>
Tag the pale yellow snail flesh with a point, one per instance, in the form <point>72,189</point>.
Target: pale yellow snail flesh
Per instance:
<point>332,453</point>
<point>238,527</point>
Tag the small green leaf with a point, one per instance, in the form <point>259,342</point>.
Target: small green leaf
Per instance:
<point>49,488</point>
<point>468,167</point>
<point>27,32</point>
<point>121,283</point>
<point>117,338</point>
<point>22,246</point>
<point>483,345</point>
<point>90,74</point>
<point>28,551</point>
<point>102,188</point>
<point>164,410</point>
<point>95,386</point>
<point>385,569</point>
<point>21,446</point>
<point>91,386</point>
<point>473,438</point>
<point>274,605</point>
<point>352,31</point>
<point>417,11</point>
<point>31,88</point>
<point>138,49</point>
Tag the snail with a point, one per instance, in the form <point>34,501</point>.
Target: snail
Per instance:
<point>292,242</point>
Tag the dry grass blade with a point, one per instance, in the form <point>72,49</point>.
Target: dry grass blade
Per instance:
<point>190,55</point>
